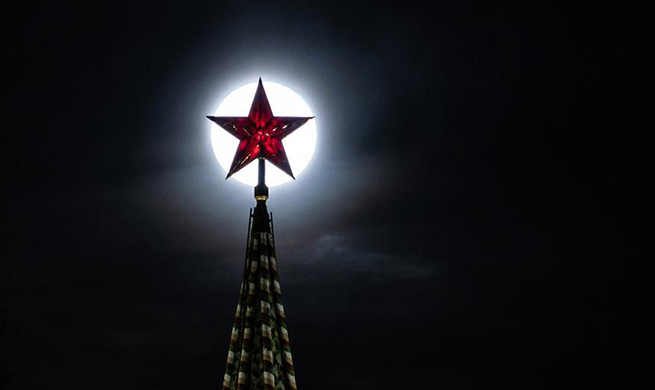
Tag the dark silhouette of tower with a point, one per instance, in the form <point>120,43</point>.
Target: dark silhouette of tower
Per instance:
<point>259,356</point>
<point>260,353</point>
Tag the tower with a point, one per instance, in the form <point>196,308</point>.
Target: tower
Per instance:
<point>259,356</point>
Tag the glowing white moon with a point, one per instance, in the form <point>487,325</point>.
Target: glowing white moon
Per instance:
<point>298,145</point>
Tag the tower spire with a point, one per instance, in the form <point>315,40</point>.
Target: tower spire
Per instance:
<point>259,357</point>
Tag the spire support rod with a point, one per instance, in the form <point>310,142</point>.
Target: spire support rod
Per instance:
<point>262,171</point>
<point>261,221</point>
<point>261,191</point>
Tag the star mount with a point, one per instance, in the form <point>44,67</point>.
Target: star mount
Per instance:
<point>260,134</point>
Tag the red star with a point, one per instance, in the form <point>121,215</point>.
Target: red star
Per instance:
<point>260,134</point>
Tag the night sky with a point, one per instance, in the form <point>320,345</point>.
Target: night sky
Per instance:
<point>473,217</point>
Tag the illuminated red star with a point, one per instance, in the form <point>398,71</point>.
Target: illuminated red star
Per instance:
<point>260,134</point>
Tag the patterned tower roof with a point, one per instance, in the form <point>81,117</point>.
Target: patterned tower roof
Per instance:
<point>260,355</point>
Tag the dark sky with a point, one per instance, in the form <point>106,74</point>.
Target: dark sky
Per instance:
<point>472,219</point>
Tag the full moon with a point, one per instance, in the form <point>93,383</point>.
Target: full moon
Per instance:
<point>298,145</point>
